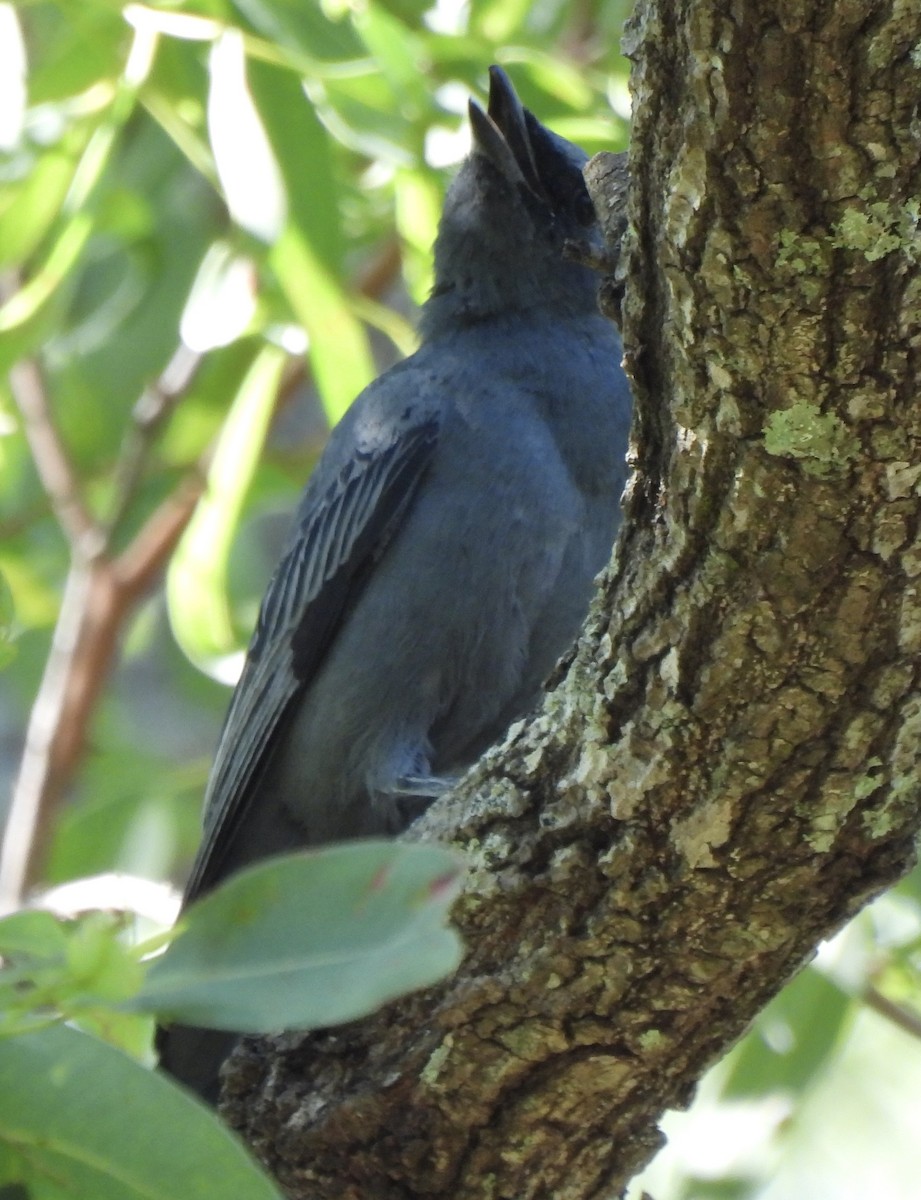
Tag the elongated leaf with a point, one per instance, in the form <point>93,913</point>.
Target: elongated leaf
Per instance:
<point>245,163</point>
<point>312,939</point>
<point>7,608</point>
<point>303,150</point>
<point>303,29</point>
<point>339,354</point>
<point>307,259</point>
<point>79,1120</point>
<point>29,210</point>
<point>196,585</point>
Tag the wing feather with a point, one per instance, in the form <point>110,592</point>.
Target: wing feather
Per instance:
<point>340,533</point>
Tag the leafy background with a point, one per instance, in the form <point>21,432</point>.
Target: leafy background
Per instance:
<point>215,222</point>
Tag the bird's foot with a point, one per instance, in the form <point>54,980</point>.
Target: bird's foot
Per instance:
<point>410,795</point>
<point>423,786</point>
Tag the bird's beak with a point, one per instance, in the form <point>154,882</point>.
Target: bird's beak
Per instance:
<point>501,133</point>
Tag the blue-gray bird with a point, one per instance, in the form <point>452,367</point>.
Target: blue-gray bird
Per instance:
<point>442,555</point>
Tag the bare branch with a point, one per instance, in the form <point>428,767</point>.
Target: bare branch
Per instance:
<point>897,1014</point>
<point>55,729</point>
<point>56,471</point>
<point>150,414</point>
<point>99,596</point>
<point>138,566</point>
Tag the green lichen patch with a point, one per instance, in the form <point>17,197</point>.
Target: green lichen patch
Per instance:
<point>820,441</point>
<point>801,254</point>
<point>880,227</point>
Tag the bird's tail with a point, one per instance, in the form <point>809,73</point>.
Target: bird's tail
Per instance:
<point>194,1056</point>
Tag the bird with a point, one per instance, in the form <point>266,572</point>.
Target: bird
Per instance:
<point>442,555</point>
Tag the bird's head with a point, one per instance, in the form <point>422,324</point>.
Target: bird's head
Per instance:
<point>517,198</point>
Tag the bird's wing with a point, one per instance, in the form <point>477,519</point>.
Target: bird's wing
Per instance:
<point>344,526</point>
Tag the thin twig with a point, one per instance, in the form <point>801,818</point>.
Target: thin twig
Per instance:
<point>138,566</point>
<point>99,595</point>
<point>52,462</point>
<point>35,787</point>
<point>151,412</point>
<point>904,1018</point>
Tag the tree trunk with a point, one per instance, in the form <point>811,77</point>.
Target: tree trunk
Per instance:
<point>727,768</point>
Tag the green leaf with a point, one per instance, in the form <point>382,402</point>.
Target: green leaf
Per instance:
<point>303,151</point>
<point>55,968</point>
<point>32,934</point>
<point>7,611</point>
<point>397,51</point>
<point>20,315</point>
<point>29,210</point>
<point>792,1039</point>
<point>196,584</point>
<point>246,166</point>
<point>312,939</point>
<point>79,1119</point>
<point>339,354</point>
<point>101,965</point>
<point>307,258</point>
<point>304,30</point>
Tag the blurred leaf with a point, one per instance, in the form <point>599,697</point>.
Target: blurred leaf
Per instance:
<point>339,355</point>
<point>197,421</point>
<point>55,968</point>
<point>131,1033</point>
<point>73,46</point>
<point>32,934</point>
<point>197,578</point>
<point>7,613</point>
<point>21,317</point>
<point>911,886</point>
<point>311,939</point>
<point>594,133</point>
<point>304,30</point>
<point>397,328</point>
<point>24,316</point>
<point>419,201</point>
<point>101,965</point>
<point>499,20</point>
<point>28,591</point>
<point>80,1119</point>
<point>307,258</point>
<point>222,301</point>
<point>134,803</point>
<point>397,53</point>
<point>792,1039</point>
<point>71,968</point>
<point>29,208</point>
<point>302,148</point>
<point>362,112</point>
<point>245,163</point>
<point>156,218</point>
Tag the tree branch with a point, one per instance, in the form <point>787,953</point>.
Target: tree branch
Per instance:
<point>58,475</point>
<point>151,412</point>
<point>729,767</point>
<point>99,596</point>
<point>896,1014</point>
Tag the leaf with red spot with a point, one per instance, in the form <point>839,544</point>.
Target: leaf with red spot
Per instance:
<point>310,940</point>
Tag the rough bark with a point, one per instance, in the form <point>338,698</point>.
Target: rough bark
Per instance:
<point>728,768</point>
